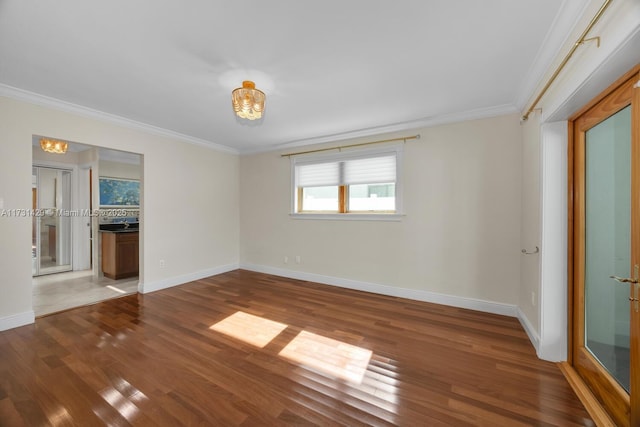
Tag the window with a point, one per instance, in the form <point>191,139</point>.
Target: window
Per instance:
<point>357,182</point>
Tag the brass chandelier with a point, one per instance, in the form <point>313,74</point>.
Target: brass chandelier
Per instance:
<point>53,146</point>
<point>247,101</point>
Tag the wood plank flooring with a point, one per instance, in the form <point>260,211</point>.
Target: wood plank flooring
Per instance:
<point>249,349</point>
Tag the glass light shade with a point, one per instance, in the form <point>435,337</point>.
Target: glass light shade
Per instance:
<point>53,146</point>
<point>248,102</point>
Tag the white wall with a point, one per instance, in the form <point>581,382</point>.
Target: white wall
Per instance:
<point>460,236</point>
<point>190,201</point>
<point>529,294</point>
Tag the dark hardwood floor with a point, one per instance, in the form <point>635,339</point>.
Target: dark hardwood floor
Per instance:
<point>250,349</point>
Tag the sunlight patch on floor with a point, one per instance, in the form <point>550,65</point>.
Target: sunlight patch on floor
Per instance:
<point>335,358</point>
<point>60,417</point>
<point>120,403</point>
<point>249,328</point>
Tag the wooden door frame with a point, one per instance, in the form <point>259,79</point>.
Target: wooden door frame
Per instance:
<point>574,293</point>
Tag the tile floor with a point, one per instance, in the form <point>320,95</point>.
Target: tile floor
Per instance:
<point>61,291</point>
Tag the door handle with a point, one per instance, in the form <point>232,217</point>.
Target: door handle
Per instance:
<point>636,271</point>
<point>623,279</point>
<point>635,286</point>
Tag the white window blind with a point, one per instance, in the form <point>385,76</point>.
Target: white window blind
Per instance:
<point>374,170</point>
<point>318,174</point>
<point>370,170</point>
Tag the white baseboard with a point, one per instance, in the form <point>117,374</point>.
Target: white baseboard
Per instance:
<point>530,330</point>
<point>147,287</point>
<point>17,320</point>
<point>414,294</point>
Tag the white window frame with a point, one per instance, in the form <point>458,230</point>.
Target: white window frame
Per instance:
<point>350,154</point>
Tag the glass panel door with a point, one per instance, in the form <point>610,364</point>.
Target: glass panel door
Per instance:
<point>606,250</point>
<point>608,243</point>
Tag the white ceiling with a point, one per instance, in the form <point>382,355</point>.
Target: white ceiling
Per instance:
<point>330,69</point>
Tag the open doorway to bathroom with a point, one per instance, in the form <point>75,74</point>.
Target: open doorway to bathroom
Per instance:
<point>73,208</point>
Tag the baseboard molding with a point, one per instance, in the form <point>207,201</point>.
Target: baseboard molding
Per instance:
<point>414,294</point>
<point>530,330</point>
<point>170,282</point>
<point>17,320</point>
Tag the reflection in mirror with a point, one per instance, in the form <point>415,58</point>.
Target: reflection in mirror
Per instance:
<point>51,242</point>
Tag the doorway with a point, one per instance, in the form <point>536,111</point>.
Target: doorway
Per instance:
<point>79,278</point>
<point>605,248</point>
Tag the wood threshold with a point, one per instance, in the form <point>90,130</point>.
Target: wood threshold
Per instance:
<point>88,304</point>
<point>591,404</point>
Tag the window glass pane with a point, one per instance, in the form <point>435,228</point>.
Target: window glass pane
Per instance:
<point>372,197</point>
<point>320,199</point>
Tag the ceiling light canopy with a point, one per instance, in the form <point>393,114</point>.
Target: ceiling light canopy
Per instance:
<point>248,102</point>
<point>53,146</point>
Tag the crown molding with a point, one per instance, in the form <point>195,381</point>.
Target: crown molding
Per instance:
<point>481,113</point>
<point>68,107</point>
<point>46,101</point>
<point>564,23</point>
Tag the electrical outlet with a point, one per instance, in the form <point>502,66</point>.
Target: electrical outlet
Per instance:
<point>533,298</point>
<point>162,263</point>
<point>298,259</point>
<point>286,259</point>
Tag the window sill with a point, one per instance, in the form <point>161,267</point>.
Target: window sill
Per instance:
<point>348,217</point>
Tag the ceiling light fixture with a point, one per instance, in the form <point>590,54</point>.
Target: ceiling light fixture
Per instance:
<point>53,146</point>
<point>248,102</point>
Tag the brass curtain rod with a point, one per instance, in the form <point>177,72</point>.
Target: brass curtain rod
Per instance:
<point>566,59</point>
<point>352,145</point>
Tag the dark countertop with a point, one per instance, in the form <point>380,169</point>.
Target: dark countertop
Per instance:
<point>120,227</point>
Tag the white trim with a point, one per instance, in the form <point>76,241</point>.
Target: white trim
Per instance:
<point>553,256</point>
<point>82,231</point>
<point>170,282</point>
<point>529,329</point>
<point>17,320</point>
<point>68,107</point>
<point>414,294</point>
<point>348,217</point>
